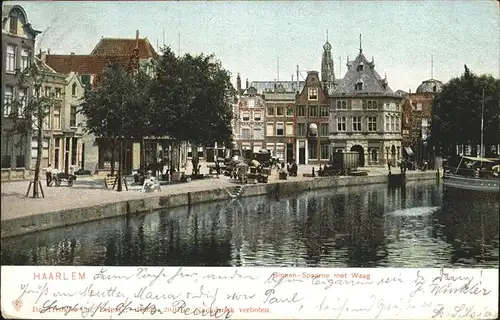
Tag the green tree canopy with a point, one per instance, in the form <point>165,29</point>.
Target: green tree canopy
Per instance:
<point>456,112</point>
<point>193,99</point>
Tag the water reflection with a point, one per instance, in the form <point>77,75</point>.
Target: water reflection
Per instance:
<point>352,227</point>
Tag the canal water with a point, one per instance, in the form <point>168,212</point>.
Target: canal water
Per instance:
<point>369,226</point>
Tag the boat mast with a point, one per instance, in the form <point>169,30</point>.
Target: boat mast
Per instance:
<point>482,127</point>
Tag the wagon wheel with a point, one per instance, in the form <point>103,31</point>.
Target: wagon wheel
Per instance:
<point>58,182</point>
<point>70,182</point>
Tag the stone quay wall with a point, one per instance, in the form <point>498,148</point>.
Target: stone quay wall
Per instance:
<point>62,218</point>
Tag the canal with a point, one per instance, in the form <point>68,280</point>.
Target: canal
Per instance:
<point>369,226</point>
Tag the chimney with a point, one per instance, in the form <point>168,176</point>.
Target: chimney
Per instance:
<point>238,84</point>
<point>137,38</point>
<point>43,55</point>
<point>246,84</point>
<point>72,53</point>
<point>48,51</point>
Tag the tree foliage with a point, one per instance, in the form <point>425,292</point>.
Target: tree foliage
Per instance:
<point>29,113</point>
<point>456,112</point>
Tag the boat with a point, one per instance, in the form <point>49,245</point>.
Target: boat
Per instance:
<point>477,173</point>
<point>474,174</point>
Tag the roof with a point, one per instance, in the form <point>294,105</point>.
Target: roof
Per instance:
<point>430,86</point>
<point>82,64</point>
<point>6,9</point>
<point>372,81</point>
<point>270,86</point>
<point>118,47</point>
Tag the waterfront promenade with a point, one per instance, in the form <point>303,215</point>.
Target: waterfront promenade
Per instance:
<point>90,191</point>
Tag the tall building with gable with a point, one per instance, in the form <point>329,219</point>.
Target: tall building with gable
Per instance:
<point>365,114</point>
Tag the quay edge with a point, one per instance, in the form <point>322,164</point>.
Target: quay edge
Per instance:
<point>62,218</point>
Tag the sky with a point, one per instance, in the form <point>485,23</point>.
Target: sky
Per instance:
<point>249,37</point>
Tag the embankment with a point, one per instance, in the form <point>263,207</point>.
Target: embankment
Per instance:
<point>49,220</point>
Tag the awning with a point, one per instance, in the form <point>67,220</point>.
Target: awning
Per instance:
<point>409,151</point>
<point>477,159</point>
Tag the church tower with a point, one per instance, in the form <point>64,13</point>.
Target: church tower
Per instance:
<point>327,70</point>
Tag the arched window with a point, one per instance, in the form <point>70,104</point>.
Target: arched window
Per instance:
<point>74,89</point>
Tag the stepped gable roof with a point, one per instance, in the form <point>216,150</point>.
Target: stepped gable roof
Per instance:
<point>82,64</point>
<point>120,46</point>
<point>372,81</point>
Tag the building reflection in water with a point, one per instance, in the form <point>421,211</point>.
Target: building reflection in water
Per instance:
<point>367,226</point>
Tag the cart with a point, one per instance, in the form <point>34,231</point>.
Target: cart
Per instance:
<point>62,176</point>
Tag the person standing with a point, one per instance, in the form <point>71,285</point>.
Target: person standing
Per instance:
<point>48,174</point>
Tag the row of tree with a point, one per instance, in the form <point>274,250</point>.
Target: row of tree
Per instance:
<point>188,98</point>
<point>457,111</point>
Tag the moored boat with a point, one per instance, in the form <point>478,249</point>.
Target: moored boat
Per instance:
<point>474,174</point>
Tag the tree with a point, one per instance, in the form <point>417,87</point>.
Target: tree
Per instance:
<point>193,97</point>
<point>456,113</point>
<point>29,113</point>
<point>114,107</point>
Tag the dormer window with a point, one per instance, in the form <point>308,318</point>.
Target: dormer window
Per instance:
<point>359,85</point>
<point>74,89</point>
<point>313,94</point>
<point>13,23</point>
<point>361,67</point>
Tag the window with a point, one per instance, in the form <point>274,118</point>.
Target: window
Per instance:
<point>371,105</point>
<point>301,129</point>
<point>313,150</point>
<point>23,99</point>
<point>47,91</point>
<point>325,148</point>
<point>359,86</point>
<point>419,107</point>
<point>245,116</point>
<point>341,124</point>
<point>342,104</point>
<point>57,117</point>
<point>280,129</point>
<point>257,116</point>
<point>74,89</point>
<point>356,123</point>
<point>323,129</point>
<point>280,151</point>
<point>392,124</point>
<point>289,128</point>
<point>13,24</point>
<point>270,129</point>
<point>387,124</point>
<point>289,111</point>
<point>72,117</point>
<point>10,62</point>
<point>251,103</point>
<point>313,111</point>
<point>25,62</point>
<point>323,111</point>
<point>58,93</point>
<point>372,124</point>
<point>301,111</point>
<point>7,100</point>
<point>258,134</point>
<point>360,67</point>
<point>245,133</point>
<point>313,94</point>
<point>270,111</point>
<point>397,124</point>
<point>279,111</point>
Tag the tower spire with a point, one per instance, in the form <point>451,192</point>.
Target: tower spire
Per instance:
<point>432,67</point>
<point>360,47</point>
<point>326,35</point>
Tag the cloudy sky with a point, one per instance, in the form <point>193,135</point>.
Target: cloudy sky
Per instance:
<point>249,37</point>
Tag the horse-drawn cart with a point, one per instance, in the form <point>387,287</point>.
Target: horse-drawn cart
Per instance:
<point>58,178</point>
